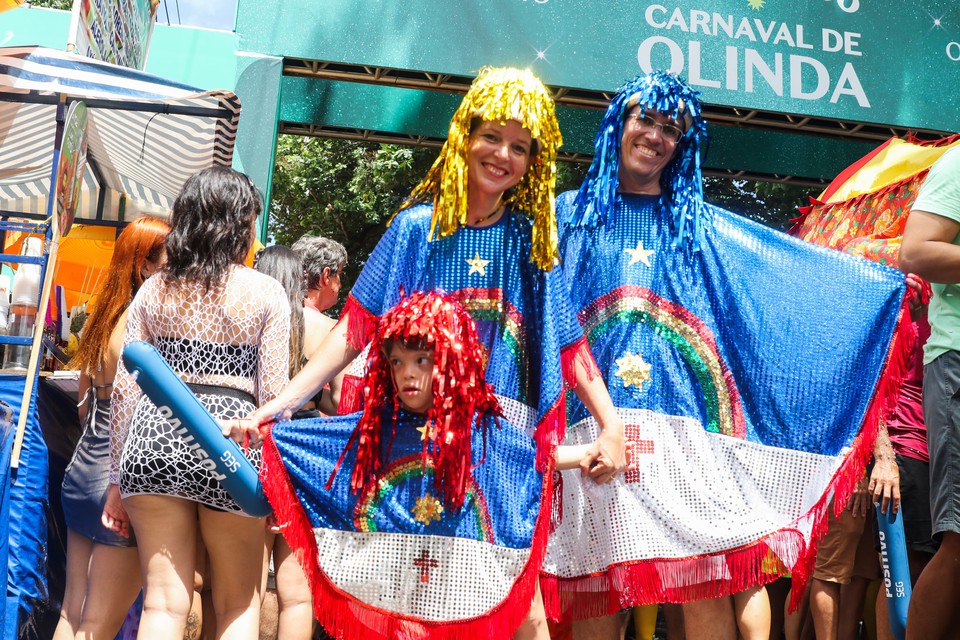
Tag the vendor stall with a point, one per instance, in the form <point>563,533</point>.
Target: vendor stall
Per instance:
<point>142,138</point>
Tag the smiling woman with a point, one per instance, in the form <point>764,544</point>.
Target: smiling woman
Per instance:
<point>480,226</point>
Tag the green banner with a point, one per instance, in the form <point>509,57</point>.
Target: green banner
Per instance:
<point>888,63</point>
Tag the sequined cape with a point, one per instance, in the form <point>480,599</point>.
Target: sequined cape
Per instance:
<point>522,313</point>
<point>748,372</point>
<point>393,561</point>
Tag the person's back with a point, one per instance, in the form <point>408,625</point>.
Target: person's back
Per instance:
<point>316,327</point>
<point>217,336</point>
<point>225,329</point>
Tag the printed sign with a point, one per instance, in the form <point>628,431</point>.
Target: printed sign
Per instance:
<point>114,31</point>
<point>71,165</point>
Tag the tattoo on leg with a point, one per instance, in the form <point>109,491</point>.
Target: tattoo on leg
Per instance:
<point>192,632</point>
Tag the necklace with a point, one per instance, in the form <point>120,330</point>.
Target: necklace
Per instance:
<point>493,214</point>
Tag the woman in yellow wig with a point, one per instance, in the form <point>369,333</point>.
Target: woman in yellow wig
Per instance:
<point>481,227</point>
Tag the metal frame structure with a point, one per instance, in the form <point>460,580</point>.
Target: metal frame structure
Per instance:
<point>753,119</point>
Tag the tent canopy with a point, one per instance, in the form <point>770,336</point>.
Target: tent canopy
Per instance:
<point>146,135</point>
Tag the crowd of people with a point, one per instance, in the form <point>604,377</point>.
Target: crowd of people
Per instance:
<point>486,300</point>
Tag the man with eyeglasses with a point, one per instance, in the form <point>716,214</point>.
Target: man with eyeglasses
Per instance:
<point>656,140</point>
<point>709,331</point>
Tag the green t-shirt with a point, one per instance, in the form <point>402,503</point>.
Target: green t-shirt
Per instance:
<point>940,194</point>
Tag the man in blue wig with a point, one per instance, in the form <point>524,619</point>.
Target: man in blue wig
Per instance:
<point>752,397</point>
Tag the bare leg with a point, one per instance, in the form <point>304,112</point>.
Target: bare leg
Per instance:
<point>79,549</point>
<point>794,623</point>
<point>112,587</point>
<point>202,597</point>
<point>825,607</point>
<point>851,608</point>
<point>236,562</point>
<point>710,619</point>
<point>752,609</point>
<point>195,617</point>
<point>934,602</point>
<point>535,625</point>
<point>293,594</point>
<point>673,616</point>
<point>167,541</point>
<point>603,628</point>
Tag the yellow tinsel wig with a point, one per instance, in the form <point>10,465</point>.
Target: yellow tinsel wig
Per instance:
<point>499,94</point>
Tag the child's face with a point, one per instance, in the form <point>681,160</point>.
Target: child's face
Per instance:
<point>412,376</point>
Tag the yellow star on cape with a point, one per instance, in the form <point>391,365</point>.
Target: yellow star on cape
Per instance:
<point>477,265</point>
<point>756,4</point>
<point>639,254</point>
<point>633,370</point>
<point>424,434</point>
<point>427,510</point>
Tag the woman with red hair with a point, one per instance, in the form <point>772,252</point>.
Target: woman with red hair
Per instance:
<point>103,573</point>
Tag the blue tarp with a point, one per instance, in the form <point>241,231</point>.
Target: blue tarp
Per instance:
<point>23,511</point>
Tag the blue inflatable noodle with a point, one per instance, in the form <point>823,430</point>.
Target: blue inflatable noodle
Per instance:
<point>896,569</point>
<point>219,455</point>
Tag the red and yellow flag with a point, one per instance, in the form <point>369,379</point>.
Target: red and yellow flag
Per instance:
<point>864,210</point>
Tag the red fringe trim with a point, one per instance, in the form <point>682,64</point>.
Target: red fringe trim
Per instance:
<point>640,583</point>
<point>881,193</point>
<point>577,353</point>
<point>797,225</point>
<point>847,173</point>
<point>939,142</point>
<point>361,323</point>
<point>351,395</point>
<point>885,398</point>
<point>346,618</point>
<point>550,432</point>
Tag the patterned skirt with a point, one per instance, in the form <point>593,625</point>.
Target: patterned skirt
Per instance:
<point>159,461</point>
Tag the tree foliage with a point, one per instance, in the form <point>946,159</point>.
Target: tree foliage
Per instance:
<point>342,190</point>
<point>66,5</point>
<point>771,203</point>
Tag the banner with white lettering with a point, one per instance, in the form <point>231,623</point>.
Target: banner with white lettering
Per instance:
<point>879,62</point>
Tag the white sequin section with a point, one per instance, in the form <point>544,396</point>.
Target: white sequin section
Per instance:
<point>379,569</point>
<point>697,493</point>
<point>519,415</point>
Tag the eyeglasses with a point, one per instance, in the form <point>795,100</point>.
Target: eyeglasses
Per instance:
<point>669,131</point>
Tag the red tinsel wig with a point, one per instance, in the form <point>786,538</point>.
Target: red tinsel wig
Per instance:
<point>461,396</point>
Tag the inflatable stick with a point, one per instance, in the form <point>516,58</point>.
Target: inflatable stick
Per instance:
<point>218,454</point>
<point>896,569</point>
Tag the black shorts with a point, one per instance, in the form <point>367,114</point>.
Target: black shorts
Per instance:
<point>941,414</point>
<point>915,504</point>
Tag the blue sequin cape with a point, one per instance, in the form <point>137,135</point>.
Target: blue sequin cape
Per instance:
<point>746,370</point>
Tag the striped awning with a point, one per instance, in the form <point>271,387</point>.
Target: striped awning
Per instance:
<point>146,135</point>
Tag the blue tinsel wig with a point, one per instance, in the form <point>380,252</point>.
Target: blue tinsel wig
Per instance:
<point>681,198</point>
